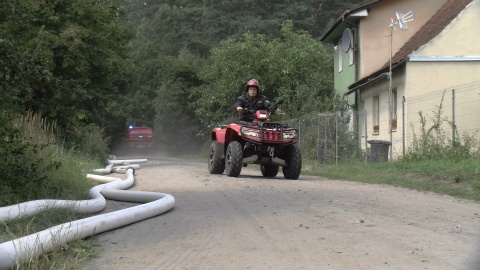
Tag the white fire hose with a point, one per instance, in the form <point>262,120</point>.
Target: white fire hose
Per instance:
<point>19,250</point>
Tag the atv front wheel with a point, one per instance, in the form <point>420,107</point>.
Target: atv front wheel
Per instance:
<point>216,161</point>
<point>233,159</point>
<point>291,154</point>
<point>269,170</point>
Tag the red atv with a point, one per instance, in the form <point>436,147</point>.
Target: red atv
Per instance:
<point>269,144</point>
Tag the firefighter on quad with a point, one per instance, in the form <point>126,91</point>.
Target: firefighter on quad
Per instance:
<point>255,139</point>
<point>251,102</point>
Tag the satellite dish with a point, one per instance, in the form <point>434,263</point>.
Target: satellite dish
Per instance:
<point>346,40</point>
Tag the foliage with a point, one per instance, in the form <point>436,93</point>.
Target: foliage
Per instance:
<point>35,164</point>
<point>215,20</point>
<point>23,172</point>
<point>328,11</point>
<point>173,119</point>
<point>165,28</point>
<point>69,255</point>
<point>236,18</point>
<point>63,59</point>
<point>24,161</point>
<point>68,60</point>
<point>296,68</point>
<point>433,142</point>
<point>91,140</point>
<point>167,57</point>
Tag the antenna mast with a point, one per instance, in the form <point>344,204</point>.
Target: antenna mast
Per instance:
<point>402,20</point>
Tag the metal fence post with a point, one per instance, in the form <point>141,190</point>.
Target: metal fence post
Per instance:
<point>366,136</point>
<point>336,138</point>
<point>453,118</point>
<point>403,126</point>
<point>299,130</point>
<point>318,139</point>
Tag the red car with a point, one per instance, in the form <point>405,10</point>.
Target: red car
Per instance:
<point>141,137</point>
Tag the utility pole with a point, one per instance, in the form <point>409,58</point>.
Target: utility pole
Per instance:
<point>402,20</point>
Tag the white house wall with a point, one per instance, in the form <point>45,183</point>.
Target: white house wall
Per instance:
<point>380,89</point>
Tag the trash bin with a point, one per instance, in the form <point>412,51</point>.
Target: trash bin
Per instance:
<point>379,150</point>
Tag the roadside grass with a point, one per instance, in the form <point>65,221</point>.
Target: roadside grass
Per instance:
<point>65,180</point>
<point>67,256</point>
<point>457,178</point>
<point>68,179</point>
<point>435,162</point>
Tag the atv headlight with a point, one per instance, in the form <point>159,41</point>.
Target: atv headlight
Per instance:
<point>287,136</point>
<point>250,132</point>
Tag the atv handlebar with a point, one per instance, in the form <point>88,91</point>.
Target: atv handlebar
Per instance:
<point>271,109</point>
<point>247,111</point>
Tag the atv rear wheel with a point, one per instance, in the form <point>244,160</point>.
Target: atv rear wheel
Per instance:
<point>233,159</point>
<point>216,160</point>
<point>291,154</point>
<point>269,170</point>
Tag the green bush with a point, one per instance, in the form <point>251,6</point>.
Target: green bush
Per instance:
<point>90,140</point>
<point>433,142</point>
<point>35,165</point>
<point>24,172</point>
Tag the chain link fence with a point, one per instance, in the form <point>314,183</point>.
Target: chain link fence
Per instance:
<point>374,135</point>
<point>328,138</point>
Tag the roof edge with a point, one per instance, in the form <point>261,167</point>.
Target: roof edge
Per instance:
<point>345,15</point>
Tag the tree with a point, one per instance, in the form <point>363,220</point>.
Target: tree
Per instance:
<point>326,12</point>
<point>295,67</point>
<point>65,59</point>
<point>250,29</point>
<point>174,118</point>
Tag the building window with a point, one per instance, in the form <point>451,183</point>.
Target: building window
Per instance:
<point>351,53</point>
<point>340,56</point>
<point>393,124</point>
<point>350,56</point>
<point>376,114</point>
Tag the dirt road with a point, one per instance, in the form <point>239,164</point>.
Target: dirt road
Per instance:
<point>250,222</point>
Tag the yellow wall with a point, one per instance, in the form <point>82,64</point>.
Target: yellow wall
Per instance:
<point>374,30</point>
<point>460,38</point>
<point>427,77</point>
<point>426,84</point>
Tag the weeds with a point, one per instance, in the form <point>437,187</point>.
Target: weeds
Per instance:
<point>433,142</point>
<point>433,163</point>
<point>66,256</point>
<point>37,165</point>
